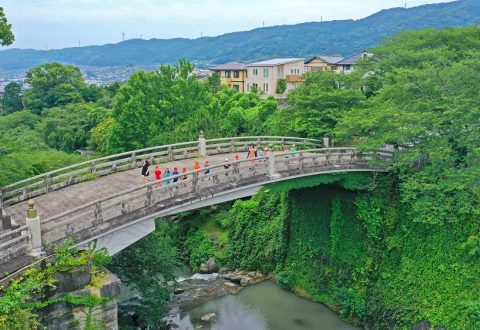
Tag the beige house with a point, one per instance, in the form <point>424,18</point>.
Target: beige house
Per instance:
<point>322,63</point>
<point>265,75</point>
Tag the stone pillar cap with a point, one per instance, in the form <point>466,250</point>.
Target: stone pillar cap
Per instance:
<point>32,211</point>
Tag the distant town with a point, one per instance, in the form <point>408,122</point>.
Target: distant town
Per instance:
<point>270,77</point>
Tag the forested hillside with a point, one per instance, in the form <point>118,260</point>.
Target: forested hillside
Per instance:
<point>301,40</point>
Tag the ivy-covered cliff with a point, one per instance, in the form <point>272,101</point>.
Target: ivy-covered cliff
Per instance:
<point>345,240</point>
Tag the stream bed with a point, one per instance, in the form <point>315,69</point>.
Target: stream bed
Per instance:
<point>262,306</point>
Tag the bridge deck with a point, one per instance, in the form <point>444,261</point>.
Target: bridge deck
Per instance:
<point>58,201</point>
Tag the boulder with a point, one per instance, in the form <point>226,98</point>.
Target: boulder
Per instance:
<point>208,317</point>
<point>224,270</point>
<point>236,278</point>
<point>203,269</point>
<point>229,285</point>
<point>212,265</point>
<point>245,281</point>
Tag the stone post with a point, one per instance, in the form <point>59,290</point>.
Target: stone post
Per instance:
<point>202,145</point>
<point>33,224</point>
<point>272,170</point>
<point>326,142</point>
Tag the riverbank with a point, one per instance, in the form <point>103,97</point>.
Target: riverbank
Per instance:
<point>221,302</point>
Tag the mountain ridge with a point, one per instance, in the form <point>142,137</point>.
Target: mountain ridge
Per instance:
<point>306,39</point>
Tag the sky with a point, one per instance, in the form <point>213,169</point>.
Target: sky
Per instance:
<point>49,24</point>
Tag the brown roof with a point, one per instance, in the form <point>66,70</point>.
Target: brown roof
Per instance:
<point>230,66</point>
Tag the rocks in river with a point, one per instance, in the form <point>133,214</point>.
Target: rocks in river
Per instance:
<point>245,278</point>
<point>245,281</point>
<point>224,270</point>
<point>212,265</point>
<point>235,278</point>
<point>178,291</point>
<point>203,269</point>
<point>229,285</point>
<point>208,317</point>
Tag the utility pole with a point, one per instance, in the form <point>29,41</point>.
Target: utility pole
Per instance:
<point>405,4</point>
<point>321,18</point>
<point>263,23</point>
<point>123,36</point>
<point>78,43</point>
<point>141,36</point>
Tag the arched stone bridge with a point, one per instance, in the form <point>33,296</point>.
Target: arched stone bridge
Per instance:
<point>106,200</point>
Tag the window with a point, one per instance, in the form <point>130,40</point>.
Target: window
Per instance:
<point>255,72</point>
<point>219,73</point>
<point>280,73</point>
<point>254,85</point>
<point>265,73</point>
<point>236,74</point>
<point>265,87</point>
<point>347,67</point>
<point>237,87</point>
<point>227,74</point>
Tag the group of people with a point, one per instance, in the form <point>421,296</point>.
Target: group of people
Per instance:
<point>252,153</point>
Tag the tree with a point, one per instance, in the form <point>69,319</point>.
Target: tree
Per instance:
<point>318,104</point>
<point>154,107</point>
<point>53,85</point>
<point>155,260</point>
<point>12,99</point>
<point>69,128</point>
<point>281,86</point>
<point>426,106</point>
<point>6,35</point>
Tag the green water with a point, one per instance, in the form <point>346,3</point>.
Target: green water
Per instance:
<point>264,306</point>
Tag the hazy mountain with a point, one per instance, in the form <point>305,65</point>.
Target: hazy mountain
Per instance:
<point>301,40</point>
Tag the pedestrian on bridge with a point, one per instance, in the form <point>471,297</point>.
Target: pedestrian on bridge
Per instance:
<point>145,171</point>
<point>167,175</point>
<point>175,173</point>
<point>183,177</point>
<point>158,175</point>
<point>266,153</point>
<point>197,167</point>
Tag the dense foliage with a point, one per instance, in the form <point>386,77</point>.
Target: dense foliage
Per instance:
<point>302,40</point>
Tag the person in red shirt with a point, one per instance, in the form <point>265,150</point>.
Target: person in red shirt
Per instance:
<point>158,174</point>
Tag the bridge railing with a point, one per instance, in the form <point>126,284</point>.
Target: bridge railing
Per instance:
<point>92,219</point>
<point>91,169</point>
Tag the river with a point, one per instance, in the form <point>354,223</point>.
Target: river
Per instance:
<point>263,306</point>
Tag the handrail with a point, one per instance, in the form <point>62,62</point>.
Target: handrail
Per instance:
<point>76,173</point>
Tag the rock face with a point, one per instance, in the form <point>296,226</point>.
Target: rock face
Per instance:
<point>212,265</point>
<point>208,317</point>
<point>65,316</point>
